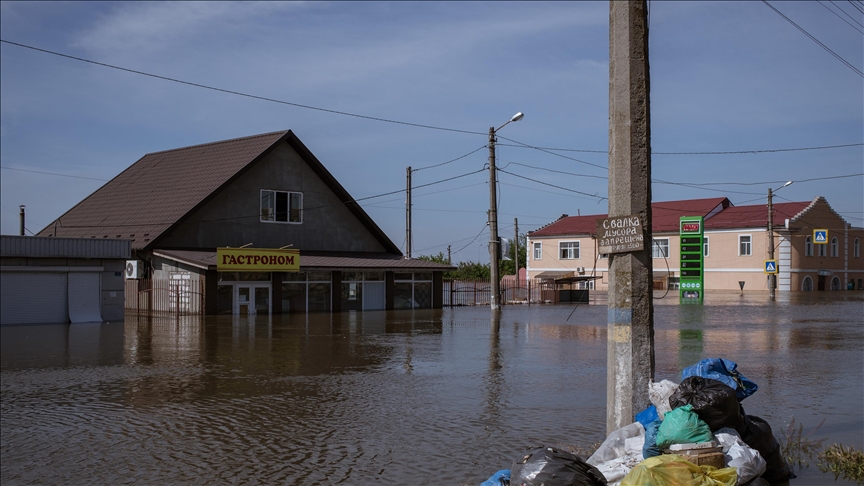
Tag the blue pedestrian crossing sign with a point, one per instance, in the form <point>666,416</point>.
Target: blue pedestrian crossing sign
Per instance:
<point>771,266</point>
<point>820,236</point>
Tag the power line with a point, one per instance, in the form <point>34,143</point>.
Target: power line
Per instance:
<point>52,173</point>
<point>454,160</point>
<point>823,46</point>
<point>238,93</point>
<point>841,18</point>
<point>552,185</point>
<point>731,152</point>
<point>418,125</point>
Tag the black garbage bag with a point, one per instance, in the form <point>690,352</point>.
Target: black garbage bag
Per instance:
<point>548,466</point>
<point>712,400</point>
<point>757,435</point>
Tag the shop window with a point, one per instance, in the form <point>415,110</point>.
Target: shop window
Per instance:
<point>568,250</point>
<point>538,251</point>
<point>807,284</point>
<point>673,283</point>
<point>835,248</point>
<point>281,206</point>
<point>745,245</point>
<point>412,290</point>
<point>225,299</point>
<point>808,246</point>
<point>660,248</point>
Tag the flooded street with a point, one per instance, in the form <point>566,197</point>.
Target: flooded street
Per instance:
<point>400,397</point>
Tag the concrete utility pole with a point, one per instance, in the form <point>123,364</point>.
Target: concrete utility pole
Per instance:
<point>408,214</point>
<point>21,221</point>
<point>494,242</point>
<point>516,242</point>
<point>630,336</point>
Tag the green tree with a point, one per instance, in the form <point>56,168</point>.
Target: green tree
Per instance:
<point>508,267</point>
<point>464,270</point>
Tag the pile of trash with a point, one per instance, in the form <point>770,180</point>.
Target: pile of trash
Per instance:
<point>695,433</point>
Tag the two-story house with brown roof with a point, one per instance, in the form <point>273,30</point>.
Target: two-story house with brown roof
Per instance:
<point>735,247</point>
<point>265,191</point>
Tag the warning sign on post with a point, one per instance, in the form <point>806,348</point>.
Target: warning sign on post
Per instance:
<point>621,234</point>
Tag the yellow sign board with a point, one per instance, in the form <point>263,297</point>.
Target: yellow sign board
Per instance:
<point>257,260</point>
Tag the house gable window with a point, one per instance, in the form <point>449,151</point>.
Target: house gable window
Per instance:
<point>660,248</point>
<point>538,250</point>
<point>745,247</point>
<point>808,246</point>
<point>835,248</point>
<point>281,206</point>
<point>568,250</point>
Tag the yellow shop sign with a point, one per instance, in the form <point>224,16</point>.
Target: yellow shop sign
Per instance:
<point>257,260</point>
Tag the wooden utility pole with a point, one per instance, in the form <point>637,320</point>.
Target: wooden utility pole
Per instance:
<point>630,326</point>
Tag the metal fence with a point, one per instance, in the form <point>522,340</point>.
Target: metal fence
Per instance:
<point>477,292</point>
<point>175,296</point>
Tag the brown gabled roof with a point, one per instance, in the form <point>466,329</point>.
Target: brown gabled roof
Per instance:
<point>322,260</point>
<point>664,217</point>
<point>162,188</point>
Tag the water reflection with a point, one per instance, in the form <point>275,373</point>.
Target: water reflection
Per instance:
<point>387,397</point>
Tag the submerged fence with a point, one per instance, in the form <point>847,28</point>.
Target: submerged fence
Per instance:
<point>175,296</point>
<point>478,292</point>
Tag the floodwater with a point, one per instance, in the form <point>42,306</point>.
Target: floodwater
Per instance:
<point>403,397</point>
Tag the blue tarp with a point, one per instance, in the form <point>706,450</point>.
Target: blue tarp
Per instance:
<point>725,371</point>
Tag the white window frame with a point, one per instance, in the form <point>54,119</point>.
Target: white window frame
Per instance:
<point>835,247</point>
<point>660,248</point>
<point>538,250</point>
<point>808,246</point>
<point>571,250</point>
<point>704,247</point>
<point>749,243</point>
<point>269,214</point>
<point>856,248</point>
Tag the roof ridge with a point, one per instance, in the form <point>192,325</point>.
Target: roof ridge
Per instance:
<point>219,142</point>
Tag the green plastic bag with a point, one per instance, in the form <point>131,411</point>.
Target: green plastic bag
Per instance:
<point>670,469</point>
<point>682,426</point>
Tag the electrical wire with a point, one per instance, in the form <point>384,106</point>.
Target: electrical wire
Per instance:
<point>449,161</point>
<point>841,18</point>
<point>823,46</point>
<point>732,152</point>
<point>53,173</point>
<point>553,185</point>
<point>238,93</point>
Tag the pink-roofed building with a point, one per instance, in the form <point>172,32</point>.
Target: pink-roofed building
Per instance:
<point>735,247</point>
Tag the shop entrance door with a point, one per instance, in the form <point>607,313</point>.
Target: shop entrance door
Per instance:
<point>251,299</point>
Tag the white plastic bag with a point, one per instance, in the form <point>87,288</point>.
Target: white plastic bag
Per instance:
<point>615,445</point>
<point>739,455</point>
<point>659,394</point>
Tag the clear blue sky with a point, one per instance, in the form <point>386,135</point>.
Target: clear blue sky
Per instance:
<point>725,77</point>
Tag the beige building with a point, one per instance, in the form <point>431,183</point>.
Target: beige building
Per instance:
<point>735,247</point>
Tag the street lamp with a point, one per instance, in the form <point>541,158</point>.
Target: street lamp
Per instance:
<point>493,215</point>
<point>772,277</point>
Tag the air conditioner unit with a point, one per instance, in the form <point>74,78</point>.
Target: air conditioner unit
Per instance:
<point>134,269</point>
<point>580,270</point>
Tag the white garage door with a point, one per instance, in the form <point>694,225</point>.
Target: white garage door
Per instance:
<point>84,297</point>
<point>33,297</point>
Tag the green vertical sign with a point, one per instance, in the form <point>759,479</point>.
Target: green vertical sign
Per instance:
<point>692,280</point>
